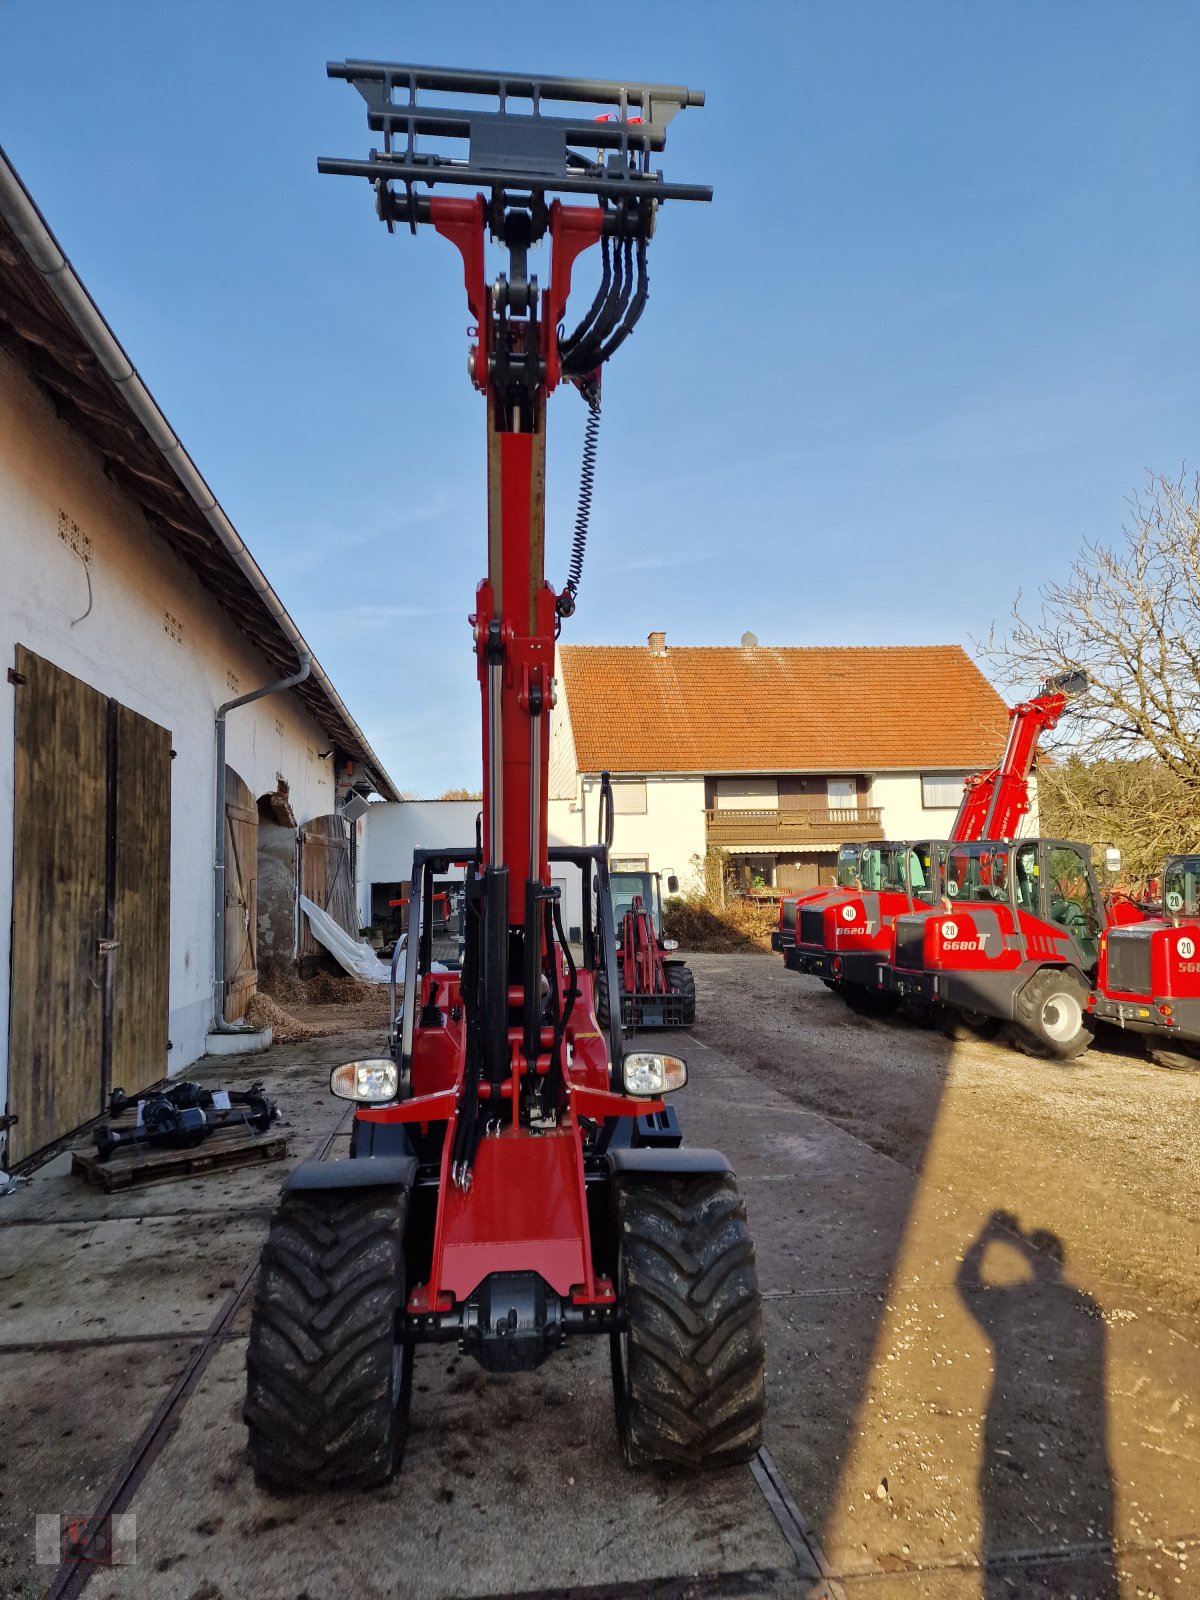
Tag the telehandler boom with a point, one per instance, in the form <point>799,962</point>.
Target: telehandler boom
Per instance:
<point>514,1175</point>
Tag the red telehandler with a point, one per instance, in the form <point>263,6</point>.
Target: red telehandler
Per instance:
<point>1148,974</point>
<point>1017,939</point>
<point>992,806</point>
<point>657,990</point>
<point>514,1176</point>
<point>845,937</point>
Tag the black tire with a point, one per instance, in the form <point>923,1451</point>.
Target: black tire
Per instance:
<point>1186,1058</point>
<point>868,1002</point>
<point>681,981</point>
<point>327,1385</point>
<point>1052,1021</point>
<point>921,1013</point>
<point>689,1373</point>
<point>600,991</point>
<point>959,1025</point>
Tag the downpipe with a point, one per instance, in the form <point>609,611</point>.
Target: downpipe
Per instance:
<point>219,1025</point>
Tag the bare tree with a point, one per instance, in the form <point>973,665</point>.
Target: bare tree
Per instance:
<point>1137,805</point>
<point>1128,615</point>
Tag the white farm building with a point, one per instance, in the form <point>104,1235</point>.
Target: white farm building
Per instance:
<point>134,620</point>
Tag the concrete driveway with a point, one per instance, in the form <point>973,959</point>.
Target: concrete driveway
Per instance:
<point>960,1403</point>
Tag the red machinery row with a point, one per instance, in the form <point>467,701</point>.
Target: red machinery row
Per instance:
<point>986,928</point>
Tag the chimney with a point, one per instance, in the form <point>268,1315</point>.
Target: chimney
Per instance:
<point>749,641</point>
<point>657,643</point>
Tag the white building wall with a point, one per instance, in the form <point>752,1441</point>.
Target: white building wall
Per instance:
<point>563,775</point>
<point>670,833</point>
<point>904,817</point>
<point>898,794</point>
<point>393,829</point>
<point>123,648</point>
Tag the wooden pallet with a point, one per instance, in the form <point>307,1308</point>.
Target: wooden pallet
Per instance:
<point>234,1146</point>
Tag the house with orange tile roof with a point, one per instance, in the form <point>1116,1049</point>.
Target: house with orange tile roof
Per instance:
<point>773,756</point>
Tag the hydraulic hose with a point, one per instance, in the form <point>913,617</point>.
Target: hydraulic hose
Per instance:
<point>583,508</point>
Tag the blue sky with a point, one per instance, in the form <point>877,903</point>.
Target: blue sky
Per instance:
<point>939,320</point>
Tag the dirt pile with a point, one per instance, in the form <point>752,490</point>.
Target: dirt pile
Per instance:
<point>325,989</point>
<point>264,1012</point>
<point>340,989</point>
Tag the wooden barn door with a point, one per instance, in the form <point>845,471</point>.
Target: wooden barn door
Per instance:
<point>141,893</point>
<point>91,880</point>
<point>327,880</point>
<point>241,896</point>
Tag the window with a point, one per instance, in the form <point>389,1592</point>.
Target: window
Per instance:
<point>629,798</point>
<point>1027,878</point>
<point>747,794</point>
<point>1070,901</point>
<point>977,872</point>
<point>941,790</point>
<point>848,865</point>
<point>1181,886</point>
<point>921,873</point>
<point>842,794</point>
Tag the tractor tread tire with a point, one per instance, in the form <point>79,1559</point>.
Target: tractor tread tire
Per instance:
<point>321,1402</point>
<point>866,1002</point>
<point>1185,1059</point>
<point>600,991</point>
<point>681,980</point>
<point>963,1026</point>
<point>1029,1036</point>
<point>694,1390</point>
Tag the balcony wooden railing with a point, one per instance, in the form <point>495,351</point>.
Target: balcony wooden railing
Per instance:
<point>777,829</point>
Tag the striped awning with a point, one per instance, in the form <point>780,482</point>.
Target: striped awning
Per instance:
<point>774,848</point>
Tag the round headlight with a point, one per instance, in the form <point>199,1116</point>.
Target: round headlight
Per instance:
<point>369,1082</point>
<point>647,1075</point>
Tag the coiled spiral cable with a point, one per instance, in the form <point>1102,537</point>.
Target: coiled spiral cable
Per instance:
<point>590,390</point>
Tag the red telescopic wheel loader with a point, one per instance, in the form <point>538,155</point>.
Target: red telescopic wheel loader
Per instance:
<point>1016,939</point>
<point>847,937</point>
<point>657,990</point>
<point>514,1177</point>
<point>1148,974</point>
<point>992,806</point>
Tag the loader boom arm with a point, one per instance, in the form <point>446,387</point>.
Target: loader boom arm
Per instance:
<point>994,802</point>
<point>520,161</point>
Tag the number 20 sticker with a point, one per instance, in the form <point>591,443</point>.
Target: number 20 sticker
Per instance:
<point>949,930</point>
<point>1186,948</point>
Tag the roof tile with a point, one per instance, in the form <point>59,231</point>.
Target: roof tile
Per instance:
<point>756,709</point>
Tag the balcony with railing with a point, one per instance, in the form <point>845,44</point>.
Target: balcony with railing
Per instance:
<point>781,827</point>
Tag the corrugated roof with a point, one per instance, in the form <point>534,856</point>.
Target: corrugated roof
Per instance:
<point>754,709</point>
<point>49,323</point>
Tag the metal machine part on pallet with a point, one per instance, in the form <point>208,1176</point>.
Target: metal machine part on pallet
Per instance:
<point>183,1115</point>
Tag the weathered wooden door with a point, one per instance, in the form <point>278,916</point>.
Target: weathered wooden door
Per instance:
<point>141,893</point>
<point>326,877</point>
<point>91,880</point>
<point>241,896</point>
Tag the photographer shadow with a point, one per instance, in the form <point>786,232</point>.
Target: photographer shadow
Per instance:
<point>1045,1484</point>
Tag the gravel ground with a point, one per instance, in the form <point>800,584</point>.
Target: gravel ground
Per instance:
<point>1105,1148</point>
<point>979,1277</point>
